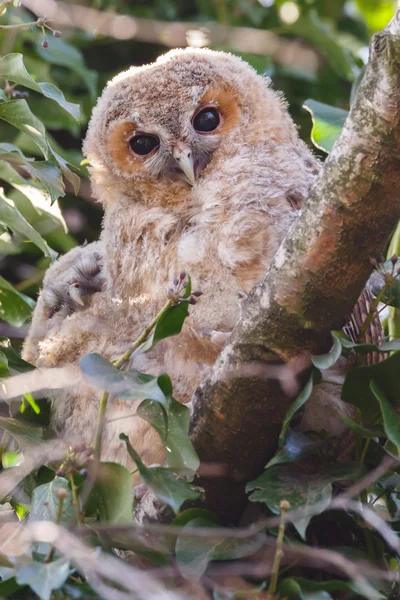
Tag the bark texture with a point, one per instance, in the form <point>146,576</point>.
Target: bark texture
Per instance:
<point>310,288</point>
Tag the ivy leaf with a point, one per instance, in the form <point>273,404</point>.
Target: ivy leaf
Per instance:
<point>291,584</point>
<point>15,363</point>
<point>311,492</point>
<point>326,361</point>
<point>22,433</point>
<point>163,482</point>
<point>172,422</point>
<point>43,578</point>
<point>193,553</point>
<point>12,218</point>
<point>327,123</point>
<point>4,370</point>
<point>366,348</point>
<point>356,389</point>
<point>15,308</point>
<point>45,502</point>
<point>98,372</point>
<point>391,418</point>
<point>295,406</point>
<point>170,323</point>
<point>113,493</point>
<point>12,68</point>
<point>296,446</point>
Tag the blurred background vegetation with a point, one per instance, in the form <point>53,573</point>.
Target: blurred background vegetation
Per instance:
<point>309,48</point>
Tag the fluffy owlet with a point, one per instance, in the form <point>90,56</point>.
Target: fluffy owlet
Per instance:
<point>199,168</point>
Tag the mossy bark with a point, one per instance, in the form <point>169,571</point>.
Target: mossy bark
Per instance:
<point>310,288</point>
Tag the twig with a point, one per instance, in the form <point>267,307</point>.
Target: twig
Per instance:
<point>284,506</point>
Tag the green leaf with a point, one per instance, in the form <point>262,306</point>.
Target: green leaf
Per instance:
<point>22,433</point>
<point>33,191</point>
<point>391,418</point>
<point>113,494</point>
<point>98,372</point>
<point>366,348</point>
<point>12,218</point>
<point>369,432</point>
<point>4,370</point>
<point>297,404</point>
<point>15,363</point>
<point>296,446</point>
<point>170,323</point>
<point>195,513</point>
<point>327,123</point>
<point>392,293</point>
<point>309,27</point>
<point>193,553</point>
<point>12,68</point>
<point>290,584</point>
<point>18,114</point>
<point>45,502</point>
<point>326,361</point>
<point>41,577</point>
<point>163,482</point>
<point>15,308</point>
<point>377,13</point>
<point>172,422</point>
<point>311,492</point>
<point>356,389</point>
<point>59,52</point>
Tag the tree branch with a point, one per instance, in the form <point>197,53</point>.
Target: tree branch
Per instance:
<point>311,286</point>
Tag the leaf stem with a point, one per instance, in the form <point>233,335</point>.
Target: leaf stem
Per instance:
<point>75,500</point>
<point>38,23</point>
<point>100,424</point>
<point>61,498</point>
<point>4,5</point>
<point>285,507</point>
<point>119,362</point>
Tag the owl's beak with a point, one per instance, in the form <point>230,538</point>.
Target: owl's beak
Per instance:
<point>183,155</point>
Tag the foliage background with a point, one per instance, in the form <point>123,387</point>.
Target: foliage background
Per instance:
<point>82,61</point>
<point>336,35</point>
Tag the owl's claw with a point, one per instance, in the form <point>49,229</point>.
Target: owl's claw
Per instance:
<point>72,290</point>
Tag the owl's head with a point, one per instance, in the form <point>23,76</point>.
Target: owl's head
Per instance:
<point>170,120</point>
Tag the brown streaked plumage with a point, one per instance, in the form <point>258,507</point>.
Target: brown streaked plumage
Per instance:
<point>251,174</point>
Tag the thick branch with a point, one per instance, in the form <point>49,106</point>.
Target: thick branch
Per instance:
<point>312,285</point>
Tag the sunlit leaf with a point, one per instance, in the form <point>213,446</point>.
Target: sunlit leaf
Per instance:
<point>12,68</point>
<point>18,114</point>
<point>327,123</point>
<point>15,308</point>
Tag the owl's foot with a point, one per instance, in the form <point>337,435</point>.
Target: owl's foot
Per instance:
<point>72,289</point>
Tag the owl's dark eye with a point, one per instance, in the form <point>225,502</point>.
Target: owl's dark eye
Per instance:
<point>143,144</point>
<point>206,120</point>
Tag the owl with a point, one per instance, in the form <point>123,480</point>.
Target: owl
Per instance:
<point>199,168</point>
